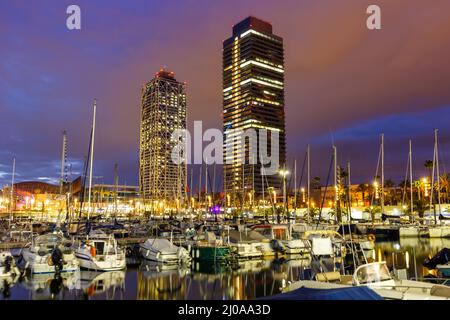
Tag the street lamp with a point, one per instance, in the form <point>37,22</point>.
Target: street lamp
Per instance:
<point>284,173</point>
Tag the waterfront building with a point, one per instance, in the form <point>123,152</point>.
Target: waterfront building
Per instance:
<point>163,110</point>
<point>253,98</point>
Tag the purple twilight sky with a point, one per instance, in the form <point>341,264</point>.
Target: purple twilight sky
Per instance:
<point>344,83</point>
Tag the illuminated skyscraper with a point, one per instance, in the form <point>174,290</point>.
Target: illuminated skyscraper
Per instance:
<point>163,111</point>
<point>253,97</point>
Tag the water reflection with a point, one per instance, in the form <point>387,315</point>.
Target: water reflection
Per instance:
<point>240,280</point>
<point>108,285</point>
<point>415,251</point>
<point>51,286</point>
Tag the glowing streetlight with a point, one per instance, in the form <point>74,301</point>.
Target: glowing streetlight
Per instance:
<point>284,173</point>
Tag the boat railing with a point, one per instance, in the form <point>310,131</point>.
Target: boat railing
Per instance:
<point>442,281</point>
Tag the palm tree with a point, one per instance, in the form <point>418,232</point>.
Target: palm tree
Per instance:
<point>429,165</point>
<point>444,181</point>
<point>363,188</point>
<point>421,205</point>
<point>373,211</point>
<point>315,183</point>
<point>389,184</point>
<point>418,185</point>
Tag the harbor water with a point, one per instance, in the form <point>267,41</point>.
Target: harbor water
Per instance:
<point>207,281</point>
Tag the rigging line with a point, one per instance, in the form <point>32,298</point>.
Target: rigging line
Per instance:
<point>376,175</point>
<point>83,185</point>
<point>406,179</point>
<point>303,168</point>
<point>325,192</point>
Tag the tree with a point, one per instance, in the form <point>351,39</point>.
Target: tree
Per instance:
<point>315,183</point>
<point>372,211</point>
<point>429,165</point>
<point>389,184</point>
<point>444,181</point>
<point>363,188</point>
<point>420,206</point>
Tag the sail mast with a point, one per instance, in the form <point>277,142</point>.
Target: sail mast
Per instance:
<point>410,178</point>
<point>295,185</point>
<point>63,162</point>
<point>309,184</point>
<point>11,201</point>
<point>91,158</point>
<point>382,173</point>
<point>336,189</point>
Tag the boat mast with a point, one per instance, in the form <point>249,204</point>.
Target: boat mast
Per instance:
<point>349,216</point>
<point>262,184</point>
<point>91,158</point>
<point>435,165</point>
<point>336,195</point>
<point>206,184</point>
<point>63,162</point>
<point>382,173</point>
<point>309,184</point>
<point>11,201</point>
<point>295,186</point>
<point>116,188</point>
<point>410,178</point>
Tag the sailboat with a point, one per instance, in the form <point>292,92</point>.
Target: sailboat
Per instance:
<point>98,251</point>
<point>412,230</point>
<point>437,231</point>
<point>383,230</point>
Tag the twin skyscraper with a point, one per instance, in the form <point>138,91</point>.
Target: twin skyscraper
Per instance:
<point>253,98</point>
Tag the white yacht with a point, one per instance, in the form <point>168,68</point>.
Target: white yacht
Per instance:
<point>164,251</point>
<point>413,231</point>
<point>243,246</point>
<point>49,253</point>
<point>442,231</point>
<point>100,252</point>
<point>376,276</point>
<point>281,240</point>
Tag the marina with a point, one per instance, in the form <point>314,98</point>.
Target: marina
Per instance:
<point>203,280</point>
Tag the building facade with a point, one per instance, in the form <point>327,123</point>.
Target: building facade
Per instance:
<point>163,110</point>
<point>253,98</point>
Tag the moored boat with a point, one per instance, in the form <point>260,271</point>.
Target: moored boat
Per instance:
<point>50,253</point>
<point>164,251</point>
<point>100,252</point>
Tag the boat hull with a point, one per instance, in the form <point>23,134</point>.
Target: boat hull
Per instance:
<point>40,264</point>
<point>206,253</point>
<point>101,263</point>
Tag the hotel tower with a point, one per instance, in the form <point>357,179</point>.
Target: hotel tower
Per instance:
<point>163,110</point>
<point>253,98</point>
